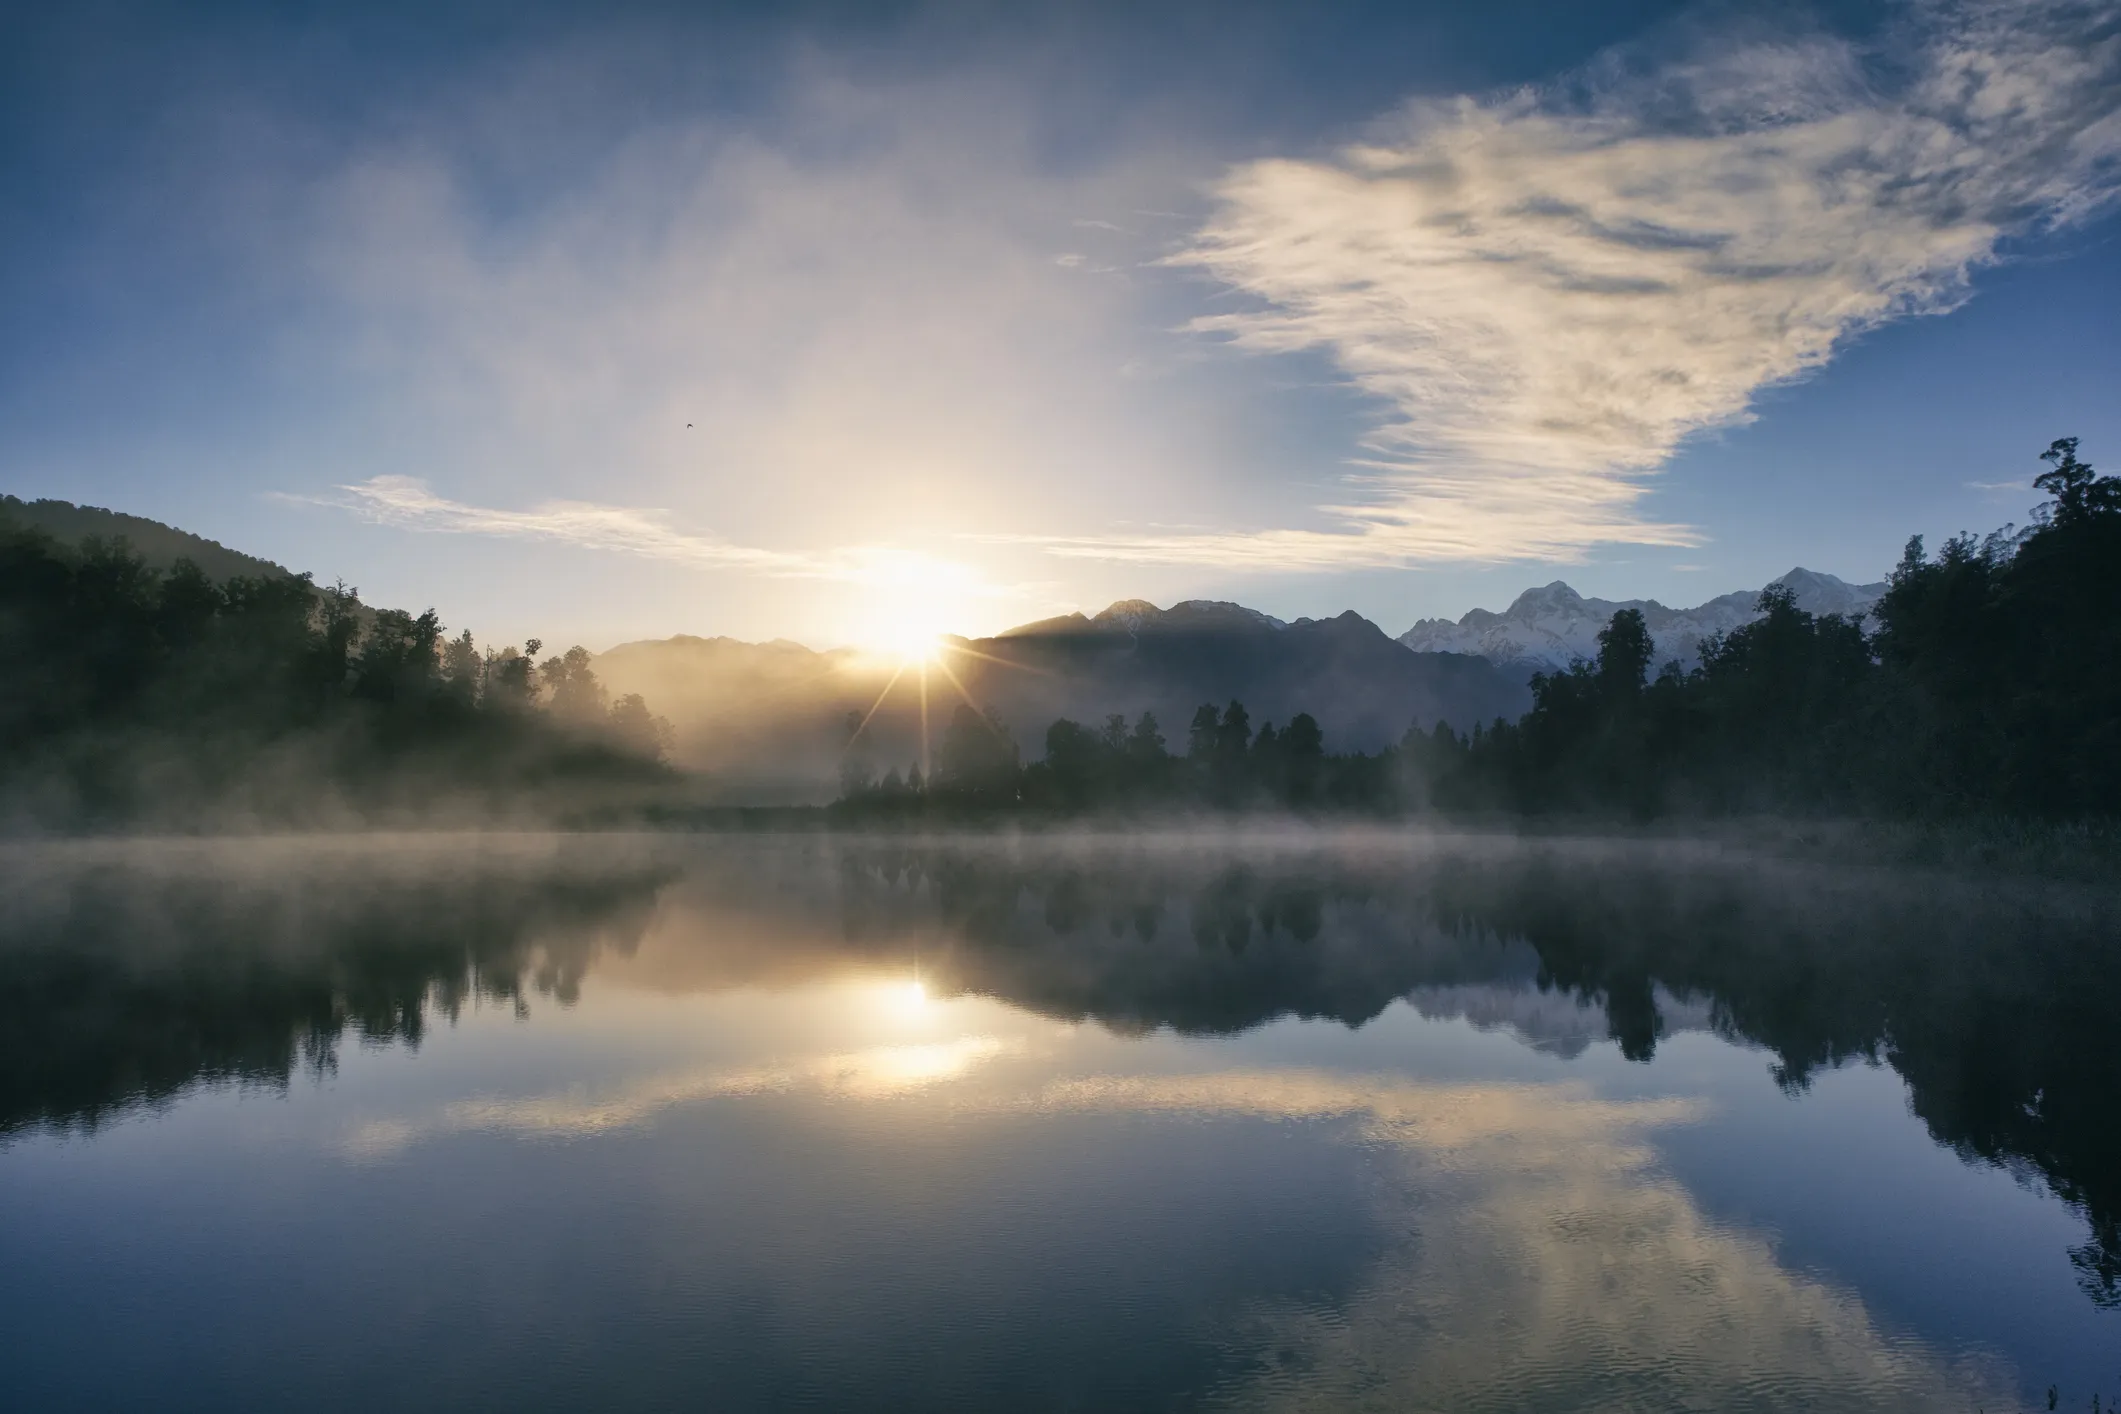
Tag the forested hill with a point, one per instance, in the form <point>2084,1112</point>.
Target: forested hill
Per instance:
<point>159,545</point>
<point>138,696</point>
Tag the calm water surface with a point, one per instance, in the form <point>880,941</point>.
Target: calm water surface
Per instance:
<point>1312,1122</point>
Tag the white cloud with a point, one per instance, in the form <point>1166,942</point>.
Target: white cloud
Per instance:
<point>829,334</point>
<point>841,322</point>
<point>810,342</point>
<point>1547,294</point>
<point>408,504</point>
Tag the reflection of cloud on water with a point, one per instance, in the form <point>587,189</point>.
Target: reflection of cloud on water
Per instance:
<point>1543,1263</point>
<point>875,1073</point>
<point>1547,1121</point>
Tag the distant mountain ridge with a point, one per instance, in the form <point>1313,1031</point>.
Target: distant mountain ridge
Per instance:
<point>1346,671</point>
<point>1547,628</point>
<point>771,719</point>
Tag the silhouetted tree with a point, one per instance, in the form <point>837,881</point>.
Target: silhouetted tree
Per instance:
<point>1145,744</point>
<point>638,730</point>
<point>1303,753</point>
<point>978,762</point>
<point>571,687</point>
<point>1201,736</point>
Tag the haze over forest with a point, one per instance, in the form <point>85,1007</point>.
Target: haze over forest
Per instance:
<point>1989,683</point>
<point>1132,705</point>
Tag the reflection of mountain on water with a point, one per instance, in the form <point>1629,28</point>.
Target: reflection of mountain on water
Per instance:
<point>123,980</point>
<point>1235,947</point>
<point>1996,1003</point>
<point>1559,1023</point>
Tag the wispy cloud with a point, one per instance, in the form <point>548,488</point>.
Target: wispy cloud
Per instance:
<point>409,504</point>
<point>1547,292</point>
<point>835,322</point>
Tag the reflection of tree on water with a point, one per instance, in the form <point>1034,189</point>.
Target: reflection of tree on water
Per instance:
<point>1998,1009</point>
<point>119,988</point>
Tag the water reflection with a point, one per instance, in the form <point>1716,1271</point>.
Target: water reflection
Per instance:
<point>1517,1244</point>
<point>1996,1000</point>
<point>131,972</point>
<point>1541,1263</point>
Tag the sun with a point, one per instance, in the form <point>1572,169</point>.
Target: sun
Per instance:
<point>910,642</point>
<point>904,635</point>
<point>906,605</point>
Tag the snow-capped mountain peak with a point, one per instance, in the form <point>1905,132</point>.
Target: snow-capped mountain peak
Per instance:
<point>1129,614</point>
<point>1548,627</point>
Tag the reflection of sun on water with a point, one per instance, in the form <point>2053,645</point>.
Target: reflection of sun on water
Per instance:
<point>908,998</point>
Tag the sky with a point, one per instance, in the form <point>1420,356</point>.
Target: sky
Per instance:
<point>851,323</point>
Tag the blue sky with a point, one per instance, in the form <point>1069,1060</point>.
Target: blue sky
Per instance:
<point>981,313</point>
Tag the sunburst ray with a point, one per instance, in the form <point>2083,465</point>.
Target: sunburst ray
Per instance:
<point>991,658</point>
<point>855,735</point>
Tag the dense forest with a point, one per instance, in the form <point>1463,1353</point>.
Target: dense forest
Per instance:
<point>170,697</point>
<point>1990,683</point>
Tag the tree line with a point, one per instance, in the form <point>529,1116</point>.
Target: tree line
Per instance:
<point>136,693</point>
<point>1987,682</point>
<point>1224,765</point>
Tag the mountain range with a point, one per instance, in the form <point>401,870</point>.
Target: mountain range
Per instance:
<point>769,721</point>
<point>1547,628</point>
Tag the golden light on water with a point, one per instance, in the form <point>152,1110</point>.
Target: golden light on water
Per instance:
<point>908,998</point>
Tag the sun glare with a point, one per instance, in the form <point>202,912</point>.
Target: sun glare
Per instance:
<point>907,605</point>
<point>911,643</point>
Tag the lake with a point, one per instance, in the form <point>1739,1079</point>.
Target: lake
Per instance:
<point>1306,1120</point>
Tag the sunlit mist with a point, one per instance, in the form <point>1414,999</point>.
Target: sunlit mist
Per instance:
<point>910,643</point>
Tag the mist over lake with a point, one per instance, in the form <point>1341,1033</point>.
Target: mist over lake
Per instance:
<point>1060,708</point>
<point>1235,1119</point>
